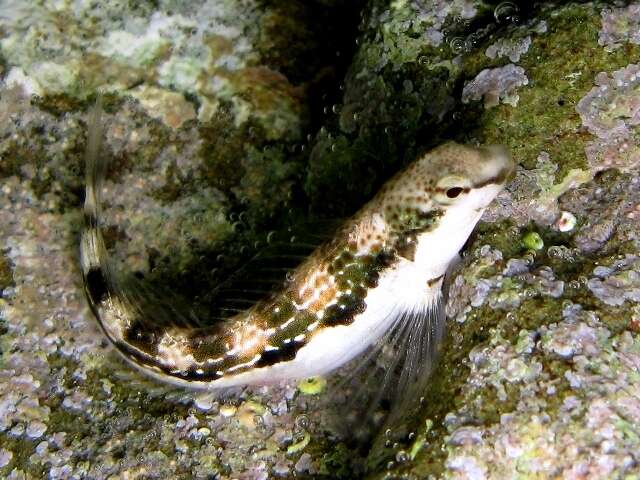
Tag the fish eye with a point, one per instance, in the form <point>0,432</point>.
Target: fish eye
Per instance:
<point>453,192</point>
<point>450,188</point>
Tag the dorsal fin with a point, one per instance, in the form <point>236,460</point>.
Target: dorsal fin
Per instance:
<point>268,270</point>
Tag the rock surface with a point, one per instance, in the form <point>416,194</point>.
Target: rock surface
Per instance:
<point>225,120</point>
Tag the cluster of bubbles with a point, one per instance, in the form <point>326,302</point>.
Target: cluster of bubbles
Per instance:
<point>563,253</point>
<point>401,455</point>
<point>507,13</point>
<point>578,283</point>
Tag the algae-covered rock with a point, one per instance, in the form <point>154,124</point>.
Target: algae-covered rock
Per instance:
<point>225,121</point>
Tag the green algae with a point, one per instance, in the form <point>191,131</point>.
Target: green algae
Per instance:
<point>545,118</point>
<point>6,274</point>
<point>300,445</point>
<point>22,449</point>
<point>336,462</point>
<point>312,385</point>
<point>533,241</point>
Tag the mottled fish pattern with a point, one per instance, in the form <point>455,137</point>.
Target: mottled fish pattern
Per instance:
<point>332,288</point>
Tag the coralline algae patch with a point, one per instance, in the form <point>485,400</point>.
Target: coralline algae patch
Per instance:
<point>406,28</point>
<point>506,291</point>
<point>553,168</point>
<point>620,25</point>
<point>618,282</point>
<point>203,50</point>
<point>510,48</point>
<point>611,112</point>
<point>534,194</point>
<point>575,419</point>
<point>496,85</point>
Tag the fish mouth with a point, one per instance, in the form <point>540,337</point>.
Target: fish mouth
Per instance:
<point>507,167</point>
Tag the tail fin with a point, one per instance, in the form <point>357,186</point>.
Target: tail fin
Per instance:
<point>130,316</point>
<point>93,254</point>
<point>144,324</point>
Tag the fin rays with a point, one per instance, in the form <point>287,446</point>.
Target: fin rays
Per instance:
<point>397,367</point>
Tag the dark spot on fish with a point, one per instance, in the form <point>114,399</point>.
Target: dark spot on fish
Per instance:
<point>407,248</point>
<point>284,353</point>
<point>96,285</point>
<point>208,375</point>
<point>142,336</point>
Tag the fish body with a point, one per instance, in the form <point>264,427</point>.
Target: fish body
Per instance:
<point>387,261</point>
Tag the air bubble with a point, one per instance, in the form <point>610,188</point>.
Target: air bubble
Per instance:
<point>506,12</point>
<point>302,422</point>
<point>471,42</point>
<point>402,456</point>
<point>457,45</point>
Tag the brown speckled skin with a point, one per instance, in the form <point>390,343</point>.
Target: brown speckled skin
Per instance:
<point>329,288</point>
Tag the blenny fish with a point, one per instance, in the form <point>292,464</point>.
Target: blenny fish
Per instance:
<point>383,267</point>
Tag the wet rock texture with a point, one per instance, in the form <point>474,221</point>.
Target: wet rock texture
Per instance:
<point>222,119</point>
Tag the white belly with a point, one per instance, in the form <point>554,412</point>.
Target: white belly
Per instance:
<point>401,289</point>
